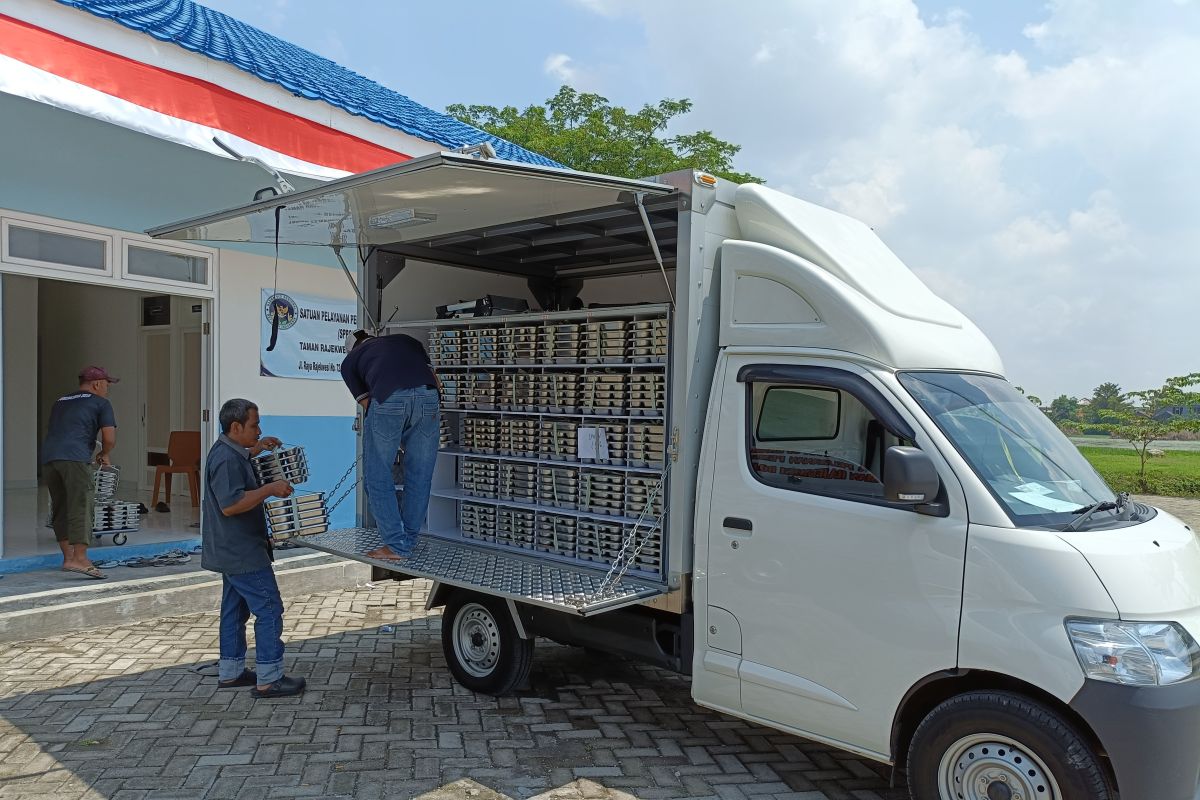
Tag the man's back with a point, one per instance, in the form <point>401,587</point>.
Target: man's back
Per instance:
<point>385,364</point>
<point>74,422</point>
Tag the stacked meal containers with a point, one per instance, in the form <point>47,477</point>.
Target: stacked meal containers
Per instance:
<point>300,514</point>
<point>557,427</point>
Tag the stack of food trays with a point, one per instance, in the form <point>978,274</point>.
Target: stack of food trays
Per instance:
<point>518,437</point>
<point>516,527</point>
<point>480,434</point>
<point>285,464</point>
<point>647,395</point>
<point>298,515</point>
<point>479,391</point>
<point>106,480</point>
<point>519,345</point>
<point>647,341</point>
<point>446,434</point>
<point>598,541</point>
<point>518,482</point>
<point>481,346</point>
<point>445,347</point>
<point>638,489</point>
<point>518,391</point>
<point>558,392</point>
<point>603,393</point>
<point>603,342</point>
<point>558,487</point>
<point>559,440</point>
<point>602,492</point>
<point>478,521</point>
<point>453,386</point>
<point>115,515</point>
<point>644,446</point>
<point>566,342</point>
<point>556,534</point>
<point>480,477</point>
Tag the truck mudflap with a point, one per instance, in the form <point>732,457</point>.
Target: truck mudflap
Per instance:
<point>523,578</point>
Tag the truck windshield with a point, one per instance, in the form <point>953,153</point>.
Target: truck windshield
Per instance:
<point>1029,465</point>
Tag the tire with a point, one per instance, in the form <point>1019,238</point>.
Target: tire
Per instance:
<point>482,648</point>
<point>120,538</point>
<point>1001,746</point>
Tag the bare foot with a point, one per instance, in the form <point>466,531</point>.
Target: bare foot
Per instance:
<point>385,553</point>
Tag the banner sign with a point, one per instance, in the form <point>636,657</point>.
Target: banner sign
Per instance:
<point>310,339</point>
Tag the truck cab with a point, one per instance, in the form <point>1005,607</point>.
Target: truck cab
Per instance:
<point>846,525</point>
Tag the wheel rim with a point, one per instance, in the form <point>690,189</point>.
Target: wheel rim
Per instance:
<point>988,766</point>
<point>476,640</point>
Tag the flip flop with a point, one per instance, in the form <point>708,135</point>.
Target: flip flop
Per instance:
<point>90,572</point>
<point>392,556</point>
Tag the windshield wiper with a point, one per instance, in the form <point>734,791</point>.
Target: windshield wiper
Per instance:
<point>1086,512</point>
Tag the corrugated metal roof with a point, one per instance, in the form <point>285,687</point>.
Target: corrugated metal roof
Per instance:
<point>303,73</point>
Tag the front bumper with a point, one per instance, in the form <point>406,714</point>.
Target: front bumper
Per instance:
<point>1151,735</point>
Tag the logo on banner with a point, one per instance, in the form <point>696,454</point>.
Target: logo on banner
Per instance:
<point>283,307</point>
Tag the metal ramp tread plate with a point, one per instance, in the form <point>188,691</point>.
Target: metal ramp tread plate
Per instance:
<point>520,577</point>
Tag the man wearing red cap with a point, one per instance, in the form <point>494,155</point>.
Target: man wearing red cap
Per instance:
<point>75,421</point>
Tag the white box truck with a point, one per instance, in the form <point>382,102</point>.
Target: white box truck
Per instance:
<point>740,440</point>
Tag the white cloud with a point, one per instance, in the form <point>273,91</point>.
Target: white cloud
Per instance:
<point>1049,191</point>
<point>558,66</point>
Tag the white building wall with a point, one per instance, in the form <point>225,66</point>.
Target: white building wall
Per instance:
<point>20,383</point>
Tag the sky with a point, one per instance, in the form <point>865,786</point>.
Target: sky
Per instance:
<point>1037,164</point>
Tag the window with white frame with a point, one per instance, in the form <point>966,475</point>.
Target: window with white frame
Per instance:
<point>40,245</point>
<point>146,261</point>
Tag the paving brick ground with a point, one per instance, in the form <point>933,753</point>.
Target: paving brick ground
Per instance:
<point>122,714</point>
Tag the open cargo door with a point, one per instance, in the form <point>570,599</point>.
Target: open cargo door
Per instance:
<point>426,198</point>
<point>455,209</point>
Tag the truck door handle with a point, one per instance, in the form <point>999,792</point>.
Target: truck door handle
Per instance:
<point>738,524</point>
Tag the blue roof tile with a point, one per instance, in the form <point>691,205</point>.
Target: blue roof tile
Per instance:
<point>304,74</point>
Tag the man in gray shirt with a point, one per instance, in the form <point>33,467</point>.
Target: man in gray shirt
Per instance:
<point>75,421</point>
<point>235,543</point>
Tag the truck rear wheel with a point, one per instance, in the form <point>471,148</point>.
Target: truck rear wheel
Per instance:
<point>482,647</point>
<point>1002,746</point>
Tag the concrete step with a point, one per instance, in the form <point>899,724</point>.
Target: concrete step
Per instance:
<point>52,602</point>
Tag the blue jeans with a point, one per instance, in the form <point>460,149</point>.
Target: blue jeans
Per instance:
<point>242,595</point>
<point>410,418</point>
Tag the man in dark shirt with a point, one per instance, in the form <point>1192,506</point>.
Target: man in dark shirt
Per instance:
<point>391,378</point>
<point>237,545</point>
<point>75,420</point>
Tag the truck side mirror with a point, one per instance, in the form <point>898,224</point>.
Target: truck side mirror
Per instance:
<point>910,477</point>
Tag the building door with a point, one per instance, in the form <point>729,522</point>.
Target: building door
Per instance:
<point>173,389</point>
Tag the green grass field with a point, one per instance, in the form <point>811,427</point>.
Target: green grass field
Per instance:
<point>1176,474</point>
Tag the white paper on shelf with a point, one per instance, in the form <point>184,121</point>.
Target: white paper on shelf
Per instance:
<point>591,443</point>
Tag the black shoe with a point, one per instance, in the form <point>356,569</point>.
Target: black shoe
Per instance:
<point>284,687</point>
<point>248,678</point>
<point>162,508</point>
<point>142,509</point>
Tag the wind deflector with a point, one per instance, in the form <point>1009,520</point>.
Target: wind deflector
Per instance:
<point>430,196</point>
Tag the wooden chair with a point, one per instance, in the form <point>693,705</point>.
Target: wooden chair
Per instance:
<point>183,453</point>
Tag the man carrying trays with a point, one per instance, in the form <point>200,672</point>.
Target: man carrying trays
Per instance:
<point>237,545</point>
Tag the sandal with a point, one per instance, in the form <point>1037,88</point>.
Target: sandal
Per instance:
<point>90,572</point>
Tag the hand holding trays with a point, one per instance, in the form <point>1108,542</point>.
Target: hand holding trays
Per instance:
<point>298,515</point>
<point>106,482</point>
<point>285,464</point>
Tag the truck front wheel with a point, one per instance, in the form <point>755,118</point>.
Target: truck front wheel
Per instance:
<point>1002,746</point>
<point>482,647</point>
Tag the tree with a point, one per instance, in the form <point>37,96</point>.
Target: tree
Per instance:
<point>1142,422</point>
<point>1063,408</point>
<point>1106,404</point>
<point>585,132</point>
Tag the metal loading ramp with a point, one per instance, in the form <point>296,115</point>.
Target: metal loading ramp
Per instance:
<point>525,579</point>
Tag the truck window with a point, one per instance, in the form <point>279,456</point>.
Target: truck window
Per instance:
<point>816,439</point>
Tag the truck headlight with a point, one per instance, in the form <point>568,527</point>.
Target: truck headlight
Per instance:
<point>1134,653</point>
